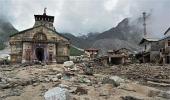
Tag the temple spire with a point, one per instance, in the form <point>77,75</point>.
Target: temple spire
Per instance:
<point>44,19</point>
<point>45,11</point>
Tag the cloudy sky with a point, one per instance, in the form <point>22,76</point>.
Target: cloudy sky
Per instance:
<point>83,16</point>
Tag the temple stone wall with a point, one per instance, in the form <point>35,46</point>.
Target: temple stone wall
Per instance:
<point>56,47</point>
<point>39,43</point>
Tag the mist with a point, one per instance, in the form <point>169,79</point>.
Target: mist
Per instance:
<point>80,17</point>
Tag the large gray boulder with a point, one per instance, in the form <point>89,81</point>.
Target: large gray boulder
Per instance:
<point>57,93</point>
<point>117,79</point>
<point>68,64</point>
<point>164,94</point>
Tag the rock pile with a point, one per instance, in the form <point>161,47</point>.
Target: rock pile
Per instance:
<point>139,71</point>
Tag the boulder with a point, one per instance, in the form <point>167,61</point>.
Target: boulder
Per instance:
<point>83,80</point>
<point>86,80</point>
<point>57,93</point>
<point>59,76</point>
<point>68,64</point>
<point>80,91</point>
<point>55,79</point>
<point>153,93</point>
<point>130,98</point>
<point>35,84</point>
<point>47,80</point>
<point>15,92</point>
<point>107,80</point>
<point>117,79</point>
<point>63,86</point>
<point>88,71</point>
<point>165,95</point>
<point>4,86</point>
<point>3,80</point>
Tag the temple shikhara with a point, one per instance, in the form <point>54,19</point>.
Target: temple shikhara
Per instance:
<point>39,43</point>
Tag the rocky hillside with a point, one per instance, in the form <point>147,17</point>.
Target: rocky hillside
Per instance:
<point>126,34</point>
<point>84,41</point>
<point>6,29</point>
<point>125,30</point>
<point>77,41</point>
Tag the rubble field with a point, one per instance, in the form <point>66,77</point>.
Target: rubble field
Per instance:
<point>80,82</point>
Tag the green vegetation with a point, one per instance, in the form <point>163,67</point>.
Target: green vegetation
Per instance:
<point>75,52</point>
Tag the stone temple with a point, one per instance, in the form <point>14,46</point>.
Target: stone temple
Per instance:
<point>39,43</point>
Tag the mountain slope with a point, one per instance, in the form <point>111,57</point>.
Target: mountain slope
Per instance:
<point>123,31</point>
<point>84,41</point>
<point>126,34</point>
<point>6,29</point>
<point>77,41</point>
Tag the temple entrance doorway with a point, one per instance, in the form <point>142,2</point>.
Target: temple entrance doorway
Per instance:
<point>39,54</point>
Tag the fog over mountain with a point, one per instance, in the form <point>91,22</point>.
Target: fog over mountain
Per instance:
<point>84,16</point>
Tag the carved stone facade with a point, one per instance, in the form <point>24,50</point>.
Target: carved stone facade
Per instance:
<point>39,43</point>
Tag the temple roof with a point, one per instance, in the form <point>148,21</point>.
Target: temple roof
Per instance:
<point>37,27</point>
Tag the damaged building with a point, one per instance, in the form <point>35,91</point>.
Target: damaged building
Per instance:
<point>39,43</point>
<point>150,51</point>
<point>165,48</point>
<point>115,57</point>
<point>118,56</point>
<point>92,53</point>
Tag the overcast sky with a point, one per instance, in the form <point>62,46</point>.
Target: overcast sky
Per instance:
<point>83,16</point>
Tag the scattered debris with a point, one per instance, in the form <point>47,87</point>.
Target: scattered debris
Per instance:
<point>97,82</point>
<point>87,68</point>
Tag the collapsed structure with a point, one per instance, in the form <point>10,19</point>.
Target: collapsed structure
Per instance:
<point>39,43</point>
<point>120,56</point>
<point>92,53</point>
